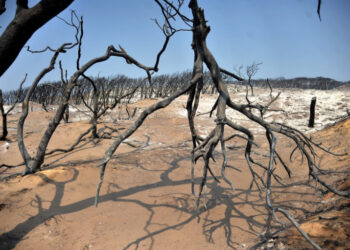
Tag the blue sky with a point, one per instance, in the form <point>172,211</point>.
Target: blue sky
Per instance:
<point>285,35</point>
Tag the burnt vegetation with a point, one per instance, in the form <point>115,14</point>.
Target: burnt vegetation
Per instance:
<point>99,95</point>
<point>163,86</point>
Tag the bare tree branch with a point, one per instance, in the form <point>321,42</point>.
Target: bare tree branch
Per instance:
<point>4,114</point>
<point>319,9</point>
<point>24,25</point>
<point>159,105</point>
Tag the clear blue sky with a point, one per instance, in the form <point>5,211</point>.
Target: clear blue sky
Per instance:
<point>286,36</point>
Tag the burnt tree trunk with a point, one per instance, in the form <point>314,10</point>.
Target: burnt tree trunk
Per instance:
<point>4,119</point>
<point>95,107</point>
<point>66,115</point>
<point>33,163</point>
<point>312,112</point>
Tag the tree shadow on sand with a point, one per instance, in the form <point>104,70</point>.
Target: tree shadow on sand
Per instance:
<point>233,202</point>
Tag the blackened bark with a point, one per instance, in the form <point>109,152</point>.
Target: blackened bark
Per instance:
<point>312,112</point>
<point>4,119</point>
<point>31,163</point>
<point>93,120</point>
<point>2,6</point>
<point>24,24</point>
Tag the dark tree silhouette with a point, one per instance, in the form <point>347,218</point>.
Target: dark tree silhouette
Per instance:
<point>104,97</point>
<point>5,113</point>
<point>24,24</point>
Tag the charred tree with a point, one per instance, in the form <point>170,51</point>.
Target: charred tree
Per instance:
<point>4,119</point>
<point>103,97</point>
<point>34,163</point>
<point>251,70</point>
<point>4,114</point>
<point>24,24</point>
<point>312,112</point>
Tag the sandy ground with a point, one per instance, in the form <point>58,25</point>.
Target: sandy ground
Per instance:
<point>146,200</point>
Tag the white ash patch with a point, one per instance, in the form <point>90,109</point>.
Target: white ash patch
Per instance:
<point>4,147</point>
<point>33,106</point>
<point>78,113</point>
<point>331,106</point>
<point>14,111</point>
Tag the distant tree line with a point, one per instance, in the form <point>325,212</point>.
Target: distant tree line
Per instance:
<point>320,83</point>
<point>161,86</point>
<point>49,93</point>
